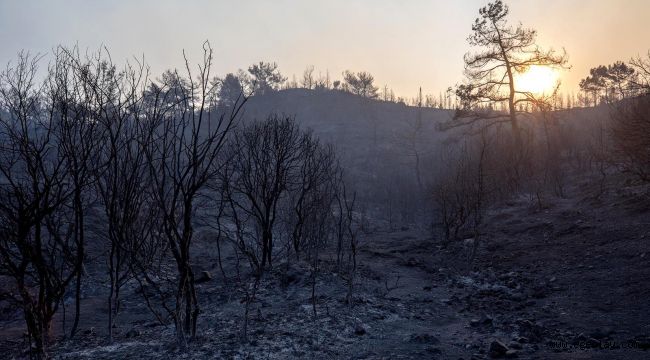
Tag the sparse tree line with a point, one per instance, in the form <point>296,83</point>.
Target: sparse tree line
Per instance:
<point>618,81</point>
<point>605,84</point>
<point>105,157</point>
<point>265,76</point>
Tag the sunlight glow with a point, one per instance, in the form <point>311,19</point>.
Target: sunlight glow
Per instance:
<point>537,80</point>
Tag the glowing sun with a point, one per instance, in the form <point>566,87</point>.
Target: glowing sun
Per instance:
<point>537,80</point>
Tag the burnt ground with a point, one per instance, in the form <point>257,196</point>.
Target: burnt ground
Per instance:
<point>567,281</point>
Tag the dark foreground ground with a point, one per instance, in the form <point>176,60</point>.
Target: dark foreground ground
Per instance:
<point>568,281</point>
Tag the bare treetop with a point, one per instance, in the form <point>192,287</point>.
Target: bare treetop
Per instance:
<point>491,72</point>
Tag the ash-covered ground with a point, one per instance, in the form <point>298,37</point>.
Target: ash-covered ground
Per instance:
<point>564,281</point>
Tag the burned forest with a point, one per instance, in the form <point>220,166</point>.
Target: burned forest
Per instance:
<point>494,202</point>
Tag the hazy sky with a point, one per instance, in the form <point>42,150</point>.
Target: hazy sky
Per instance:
<point>405,44</point>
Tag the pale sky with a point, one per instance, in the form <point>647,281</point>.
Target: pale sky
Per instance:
<point>404,44</point>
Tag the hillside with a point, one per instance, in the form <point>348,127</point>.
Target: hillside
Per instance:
<point>378,141</point>
<point>360,128</point>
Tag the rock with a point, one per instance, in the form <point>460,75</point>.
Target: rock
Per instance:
<point>531,330</point>
<point>511,354</point>
<point>483,321</point>
<point>486,320</point>
<point>204,277</point>
<point>133,333</point>
<point>515,345</point>
<point>553,279</point>
<point>497,349</point>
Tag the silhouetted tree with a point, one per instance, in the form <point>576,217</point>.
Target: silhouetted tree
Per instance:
<point>491,73</point>
<point>613,82</point>
<point>311,188</point>
<point>122,180</point>
<point>37,249</point>
<point>642,67</point>
<point>595,83</point>
<point>185,142</point>
<point>230,91</point>
<point>265,77</point>
<point>360,84</point>
<point>308,77</point>
<point>411,139</point>
<point>78,136</point>
<point>347,231</point>
<point>264,155</point>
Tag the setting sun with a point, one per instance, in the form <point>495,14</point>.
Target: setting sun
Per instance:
<point>537,80</point>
